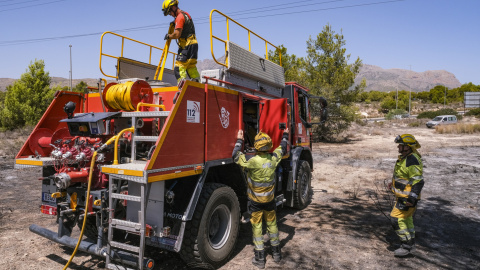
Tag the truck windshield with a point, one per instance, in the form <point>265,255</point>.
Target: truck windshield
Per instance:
<point>438,118</point>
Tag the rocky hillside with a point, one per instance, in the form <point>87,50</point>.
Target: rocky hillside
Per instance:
<point>377,78</point>
<point>401,79</point>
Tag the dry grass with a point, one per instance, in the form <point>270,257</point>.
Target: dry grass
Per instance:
<point>12,141</point>
<point>460,128</point>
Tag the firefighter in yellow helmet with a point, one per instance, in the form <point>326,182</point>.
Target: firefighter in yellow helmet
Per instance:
<point>261,190</point>
<point>407,184</point>
<point>187,43</point>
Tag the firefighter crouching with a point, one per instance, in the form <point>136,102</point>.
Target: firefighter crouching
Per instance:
<point>407,184</point>
<point>261,189</point>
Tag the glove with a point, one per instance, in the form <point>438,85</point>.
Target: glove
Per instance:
<point>166,37</point>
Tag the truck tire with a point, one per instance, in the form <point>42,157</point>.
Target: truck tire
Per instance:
<point>211,235</point>
<point>303,192</point>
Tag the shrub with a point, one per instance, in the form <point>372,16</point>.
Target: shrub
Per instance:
<point>391,115</point>
<point>474,112</point>
<point>433,114</point>
<point>458,129</point>
<point>414,124</point>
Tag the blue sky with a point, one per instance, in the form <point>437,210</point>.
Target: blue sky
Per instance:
<point>412,34</point>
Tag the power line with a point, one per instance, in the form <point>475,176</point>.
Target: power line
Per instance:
<point>32,5</point>
<point>18,3</point>
<point>202,20</point>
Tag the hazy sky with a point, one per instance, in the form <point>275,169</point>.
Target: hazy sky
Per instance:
<point>411,34</point>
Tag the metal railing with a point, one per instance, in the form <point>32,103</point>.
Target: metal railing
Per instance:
<point>151,49</point>
<point>228,39</point>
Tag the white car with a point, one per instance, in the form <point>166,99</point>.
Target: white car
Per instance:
<point>442,120</point>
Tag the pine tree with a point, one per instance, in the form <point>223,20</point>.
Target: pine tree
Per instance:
<point>28,98</point>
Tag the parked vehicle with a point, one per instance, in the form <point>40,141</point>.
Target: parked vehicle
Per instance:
<point>146,164</point>
<point>442,120</point>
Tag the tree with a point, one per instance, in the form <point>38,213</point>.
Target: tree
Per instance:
<point>326,72</point>
<point>294,66</point>
<point>437,94</point>
<point>28,98</point>
<point>329,75</point>
<point>80,87</point>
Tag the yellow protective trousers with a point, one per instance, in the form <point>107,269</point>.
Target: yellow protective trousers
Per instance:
<point>406,230</point>
<point>404,222</point>
<point>272,229</point>
<point>187,59</point>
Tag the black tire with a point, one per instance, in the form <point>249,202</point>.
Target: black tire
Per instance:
<point>302,195</point>
<point>211,235</point>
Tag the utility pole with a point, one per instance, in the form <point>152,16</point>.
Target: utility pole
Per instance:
<point>396,99</point>
<point>445,97</point>
<point>409,104</point>
<point>410,97</point>
<point>71,87</point>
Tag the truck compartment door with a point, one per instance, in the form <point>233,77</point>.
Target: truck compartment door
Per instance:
<point>273,114</point>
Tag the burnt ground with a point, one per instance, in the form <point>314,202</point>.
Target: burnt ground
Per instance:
<point>343,227</point>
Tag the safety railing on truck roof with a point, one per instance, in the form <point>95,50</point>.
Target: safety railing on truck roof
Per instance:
<point>123,38</point>
<point>228,39</point>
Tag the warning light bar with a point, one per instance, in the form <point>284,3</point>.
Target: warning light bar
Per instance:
<point>49,210</point>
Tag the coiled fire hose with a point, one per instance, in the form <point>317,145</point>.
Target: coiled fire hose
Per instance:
<point>92,166</point>
<point>118,96</point>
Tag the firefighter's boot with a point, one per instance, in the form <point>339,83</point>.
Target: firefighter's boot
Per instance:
<point>259,259</point>
<point>405,249</point>
<point>276,253</point>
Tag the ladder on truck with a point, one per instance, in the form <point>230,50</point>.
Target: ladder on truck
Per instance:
<point>116,249</point>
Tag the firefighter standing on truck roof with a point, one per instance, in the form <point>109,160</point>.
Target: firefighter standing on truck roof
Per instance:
<point>184,33</point>
<point>261,190</point>
<point>407,183</point>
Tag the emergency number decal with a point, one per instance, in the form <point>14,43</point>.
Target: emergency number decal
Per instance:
<point>193,111</point>
<point>224,117</point>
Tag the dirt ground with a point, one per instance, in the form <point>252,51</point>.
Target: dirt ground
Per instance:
<point>343,227</point>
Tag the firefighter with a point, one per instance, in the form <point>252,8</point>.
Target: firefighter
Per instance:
<point>261,188</point>
<point>184,33</point>
<point>407,184</point>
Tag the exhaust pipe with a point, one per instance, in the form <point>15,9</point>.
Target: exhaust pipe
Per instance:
<point>91,247</point>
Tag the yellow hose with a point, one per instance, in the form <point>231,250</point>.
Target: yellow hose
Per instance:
<point>118,96</point>
<point>115,161</point>
<point>92,165</point>
<point>141,104</point>
<point>90,174</point>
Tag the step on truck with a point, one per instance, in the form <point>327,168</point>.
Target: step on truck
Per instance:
<point>142,164</point>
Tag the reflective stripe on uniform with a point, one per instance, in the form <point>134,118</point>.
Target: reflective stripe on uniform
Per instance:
<point>260,184</point>
<point>398,191</point>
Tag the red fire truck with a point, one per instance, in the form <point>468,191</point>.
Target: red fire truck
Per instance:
<point>143,164</point>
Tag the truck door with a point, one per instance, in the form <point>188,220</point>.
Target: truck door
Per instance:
<point>273,115</point>
<point>302,118</point>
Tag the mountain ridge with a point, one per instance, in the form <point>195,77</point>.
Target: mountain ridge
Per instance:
<point>378,79</point>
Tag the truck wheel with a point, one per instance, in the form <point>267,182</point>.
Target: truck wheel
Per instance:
<point>303,191</point>
<point>212,233</point>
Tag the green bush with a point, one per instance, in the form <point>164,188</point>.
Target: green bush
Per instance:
<point>391,114</point>
<point>433,114</point>
<point>474,112</point>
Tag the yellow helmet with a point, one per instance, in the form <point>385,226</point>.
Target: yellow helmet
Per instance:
<point>263,142</point>
<point>167,5</point>
<point>408,139</point>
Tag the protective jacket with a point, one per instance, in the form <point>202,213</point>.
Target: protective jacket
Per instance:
<point>261,170</point>
<point>407,182</point>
